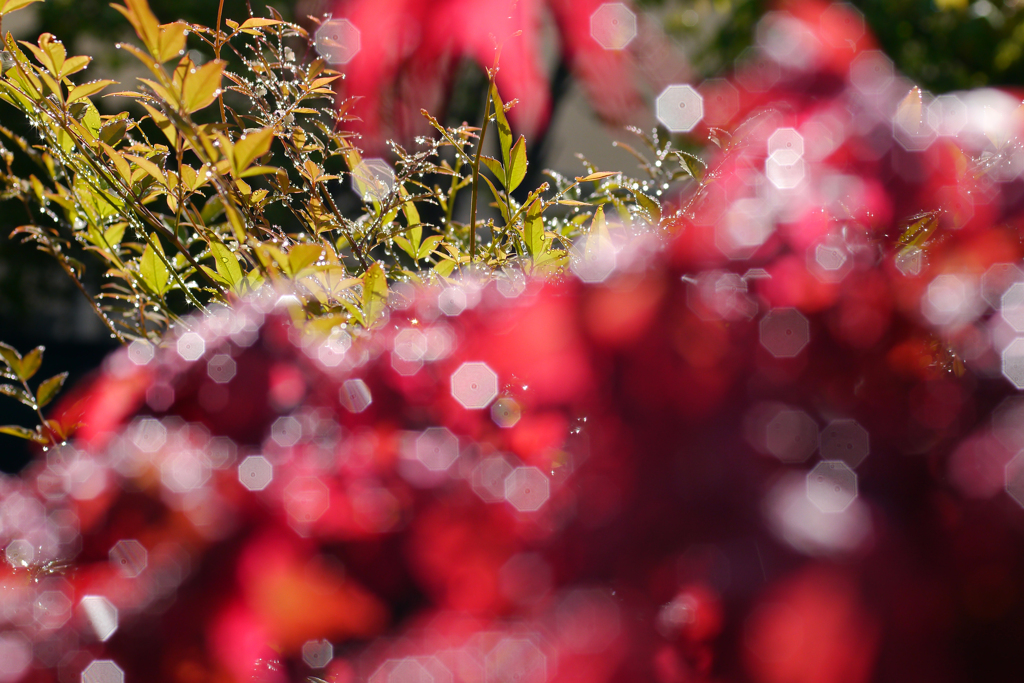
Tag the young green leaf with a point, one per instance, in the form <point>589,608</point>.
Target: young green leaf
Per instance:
<point>226,263</point>
<point>49,388</point>
<point>201,88</point>
<point>20,432</point>
<point>18,393</point>
<point>533,230</point>
<point>8,6</point>
<point>31,362</point>
<point>375,294</point>
<point>251,147</point>
<point>517,164</point>
<point>11,357</point>
<point>152,269</point>
<point>504,132</point>
<point>494,166</point>
<point>301,256</point>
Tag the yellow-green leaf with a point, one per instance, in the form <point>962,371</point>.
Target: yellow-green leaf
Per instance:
<point>152,269</point>
<point>15,430</point>
<point>226,263</point>
<point>533,230</point>
<point>517,164</point>
<point>171,41</point>
<point>87,89</point>
<point>494,166</point>
<point>11,357</point>
<point>301,256</point>
<point>31,362</point>
<point>8,6</point>
<point>203,86</point>
<point>49,388</point>
<point>375,294</point>
<point>598,175</point>
<point>504,132</point>
<point>258,22</point>
<point>250,147</point>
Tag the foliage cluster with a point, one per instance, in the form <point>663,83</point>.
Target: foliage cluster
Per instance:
<point>232,181</point>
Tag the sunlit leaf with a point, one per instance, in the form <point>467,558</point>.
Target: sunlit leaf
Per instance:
<point>20,432</point>
<point>203,86</point>
<point>31,362</point>
<point>517,164</point>
<point>152,269</point>
<point>18,394</point>
<point>504,132</point>
<point>375,294</point>
<point>250,147</point>
<point>8,6</point>
<point>533,230</point>
<point>49,388</point>
<point>87,89</point>
<point>226,263</point>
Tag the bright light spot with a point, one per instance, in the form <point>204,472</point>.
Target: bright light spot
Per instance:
<point>355,395</point>
<point>592,258</point>
<point>1013,362</point>
<point>785,169</point>
<point>488,478</point>
<point>141,352</point>
<point>317,654</point>
<point>527,489</point>
<point>452,301</point>
<point>15,656</point>
<point>516,659</point>
<point>333,349</point>
<point>505,412</point>
<point>440,341</point>
<point>947,115</point>
<point>129,557</point>
<point>306,499</point>
<point>511,283</point>
<point>613,26</point>
<point>409,670</point>
<point>679,108</point>
<point>831,486</point>
<point>845,440</point>
<point>410,345</point>
<point>337,41</point>
<point>20,553</point>
<point>437,448</point>
<point>794,519</point>
<point>221,368</point>
<point>791,435</point>
<point>871,72</point>
<point>286,431</point>
<point>744,228</point>
<point>373,179</point>
<point>191,346</point>
<point>52,609</point>
<point>784,332</point>
<point>184,470</point>
<point>103,671</point>
<point>101,615</point>
<point>831,261</point>
<point>720,295</point>
<point>474,385</point>
<point>950,300</point>
<point>148,435</point>
<point>997,279</point>
<point>1012,306</point>
<point>788,139</point>
<point>255,473</point>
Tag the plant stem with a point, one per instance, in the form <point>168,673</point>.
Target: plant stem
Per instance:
<point>216,50</point>
<point>476,170</point>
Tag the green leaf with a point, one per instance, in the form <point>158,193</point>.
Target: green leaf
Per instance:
<point>86,89</point>
<point>301,256</point>
<point>114,234</point>
<point>8,6</point>
<point>504,132</point>
<point>694,166</point>
<point>533,230</point>
<point>49,388</point>
<point>225,262</point>
<point>20,432</point>
<point>428,246</point>
<point>17,393</point>
<point>517,164</point>
<point>650,206</point>
<point>597,175</point>
<point>31,362</point>
<point>497,198</point>
<point>11,357</point>
<point>152,269</point>
<point>201,88</point>
<point>375,294</point>
<point>251,147</point>
<point>494,166</point>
